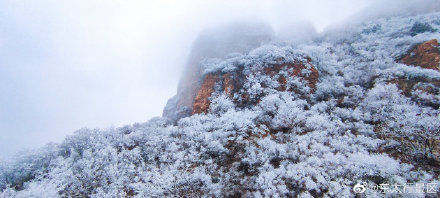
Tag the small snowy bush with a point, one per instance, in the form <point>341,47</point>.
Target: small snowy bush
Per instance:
<point>294,143</point>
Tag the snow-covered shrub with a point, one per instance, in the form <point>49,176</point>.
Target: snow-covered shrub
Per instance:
<point>281,143</point>
<point>419,27</point>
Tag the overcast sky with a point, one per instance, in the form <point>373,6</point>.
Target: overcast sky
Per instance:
<point>65,64</point>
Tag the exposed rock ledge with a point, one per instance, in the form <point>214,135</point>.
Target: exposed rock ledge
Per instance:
<point>422,90</point>
<point>425,55</point>
<point>232,83</point>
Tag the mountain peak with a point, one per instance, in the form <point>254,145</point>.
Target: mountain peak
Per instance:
<point>213,43</point>
<point>348,114</point>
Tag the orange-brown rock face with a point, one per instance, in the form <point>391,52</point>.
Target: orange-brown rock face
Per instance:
<point>234,38</point>
<point>231,83</point>
<point>228,84</point>
<point>201,102</point>
<point>295,70</point>
<point>425,55</point>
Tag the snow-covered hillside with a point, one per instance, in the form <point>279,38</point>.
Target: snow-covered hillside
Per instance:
<point>310,119</point>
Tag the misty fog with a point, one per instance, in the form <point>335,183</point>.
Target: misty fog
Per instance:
<point>68,65</point>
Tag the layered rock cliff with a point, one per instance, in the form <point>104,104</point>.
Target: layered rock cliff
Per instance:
<point>423,90</point>
<point>233,83</point>
<point>213,43</point>
<point>354,107</point>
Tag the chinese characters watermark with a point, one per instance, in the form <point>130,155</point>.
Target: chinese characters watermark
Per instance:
<point>409,188</point>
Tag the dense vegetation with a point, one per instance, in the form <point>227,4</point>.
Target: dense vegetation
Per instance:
<point>357,126</point>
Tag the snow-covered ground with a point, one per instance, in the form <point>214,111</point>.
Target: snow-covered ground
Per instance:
<point>283,145</point>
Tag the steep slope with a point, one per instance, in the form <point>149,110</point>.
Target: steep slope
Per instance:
<point>213,43</point>
<point>313,119</point>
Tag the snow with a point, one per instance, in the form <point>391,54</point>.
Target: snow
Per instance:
<point>285,145</point>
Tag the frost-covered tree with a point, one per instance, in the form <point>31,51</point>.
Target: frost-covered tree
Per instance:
<point>269,138</point>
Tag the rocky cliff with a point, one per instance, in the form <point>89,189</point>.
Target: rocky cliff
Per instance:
<point>357,107</point>
<point>423,90</point>
<point>232,83</point>
<point>213,43</point>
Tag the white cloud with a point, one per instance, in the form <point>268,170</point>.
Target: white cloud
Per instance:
<point>70,64</point>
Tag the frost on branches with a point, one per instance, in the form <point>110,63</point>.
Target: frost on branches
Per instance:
<point>359,122</point>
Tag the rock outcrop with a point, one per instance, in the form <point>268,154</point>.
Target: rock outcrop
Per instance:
<point>212,43</point>
<point>232,83</point>
<point>305,70</point>
<point>422,90</point>
<point>267,123</point>
<point>425,55</point>
<point>201,101</point>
